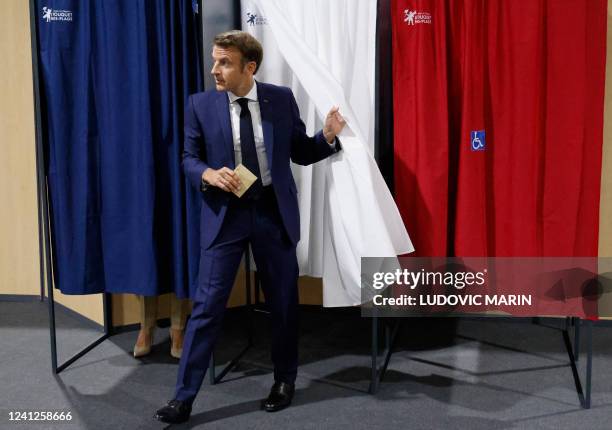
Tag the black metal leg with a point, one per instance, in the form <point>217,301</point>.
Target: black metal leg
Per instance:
<point>374,370</point>
<point>576,338</point>
<point>107,333</point>
<point>107,310</point>
<point>82,353</point>
<point>387,336</point>
<point>211,368</point>
<point>589,365</point>
<point>52,332</point>
<point>390,335</point>
<point>378,372</point>
<point>583,395</point>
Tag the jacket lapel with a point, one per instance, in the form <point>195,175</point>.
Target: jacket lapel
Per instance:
<point>226,127</point>
<point>266,121</point>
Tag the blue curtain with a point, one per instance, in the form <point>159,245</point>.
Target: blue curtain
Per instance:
<point>116,76</point>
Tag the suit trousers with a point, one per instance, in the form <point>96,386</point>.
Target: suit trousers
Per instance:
<point>259,224</point>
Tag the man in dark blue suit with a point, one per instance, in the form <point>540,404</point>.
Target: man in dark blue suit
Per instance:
<point>257,125</point>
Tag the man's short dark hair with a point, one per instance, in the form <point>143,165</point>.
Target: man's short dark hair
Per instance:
<point>249,47</point>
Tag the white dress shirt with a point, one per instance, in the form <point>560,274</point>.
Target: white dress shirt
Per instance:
<point>234,108</point>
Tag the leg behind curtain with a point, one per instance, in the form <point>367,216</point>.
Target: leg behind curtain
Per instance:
<point>148,317</point>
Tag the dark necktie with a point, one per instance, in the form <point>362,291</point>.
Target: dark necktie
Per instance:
<point>247,146</point>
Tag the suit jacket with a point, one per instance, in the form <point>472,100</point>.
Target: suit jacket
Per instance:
<point>209,143</point>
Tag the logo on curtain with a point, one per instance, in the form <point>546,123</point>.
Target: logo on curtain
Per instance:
<point>414,17</point>
<point>477,140</point>
<point>254,19</point>
<point>49,14</point>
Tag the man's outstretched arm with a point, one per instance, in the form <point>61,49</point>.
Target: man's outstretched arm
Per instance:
<point>306,150</point>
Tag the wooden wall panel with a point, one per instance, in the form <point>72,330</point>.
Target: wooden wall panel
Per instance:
<point>19,262</point>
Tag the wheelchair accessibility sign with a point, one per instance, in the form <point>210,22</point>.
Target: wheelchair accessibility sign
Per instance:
<point>477,140</point>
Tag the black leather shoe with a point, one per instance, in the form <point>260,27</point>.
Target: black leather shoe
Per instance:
<point>280,397</point>
<point>174,412</point>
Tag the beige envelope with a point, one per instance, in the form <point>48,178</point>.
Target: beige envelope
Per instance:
<point>246,178</point>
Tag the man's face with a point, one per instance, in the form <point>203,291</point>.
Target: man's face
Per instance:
<point>228,71</point>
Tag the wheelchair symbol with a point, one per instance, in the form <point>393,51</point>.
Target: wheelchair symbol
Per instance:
<point>477,144</point>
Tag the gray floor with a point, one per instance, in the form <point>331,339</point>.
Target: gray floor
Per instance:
<point>445,373</point>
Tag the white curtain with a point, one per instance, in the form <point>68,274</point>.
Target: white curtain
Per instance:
<point>324,50</point>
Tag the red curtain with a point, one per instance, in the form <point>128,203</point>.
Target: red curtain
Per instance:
<point>528,77</point>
